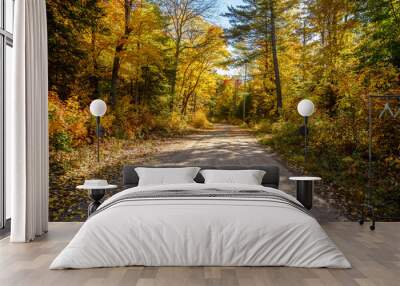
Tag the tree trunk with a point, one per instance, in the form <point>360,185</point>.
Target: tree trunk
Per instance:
<point>185,104</point>
<point>275,57</point>
<point>191,91</point>
<point>193,105</point>
<point>266,67</point>
<point>137,90</point>
<point>118,49</point>
<point>114,76</point>
<point>131,88</point>
<point>304,50</point>
<point>174,74</point>
<point>95,77</point>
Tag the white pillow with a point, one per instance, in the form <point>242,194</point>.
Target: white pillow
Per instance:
<point>248,177</point>
<point>166,176</point>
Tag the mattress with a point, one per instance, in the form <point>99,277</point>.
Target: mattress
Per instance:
<point>201,225</point>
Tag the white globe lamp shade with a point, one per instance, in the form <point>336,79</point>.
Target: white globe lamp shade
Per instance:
<point>305,108</point>
<point>98,107</point>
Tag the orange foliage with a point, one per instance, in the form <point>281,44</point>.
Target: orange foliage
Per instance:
<point>67,122</point>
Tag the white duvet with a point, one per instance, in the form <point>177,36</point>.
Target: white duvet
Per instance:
<point>202,232</point>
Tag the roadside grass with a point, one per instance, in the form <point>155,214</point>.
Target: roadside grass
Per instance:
<point>344,175</point>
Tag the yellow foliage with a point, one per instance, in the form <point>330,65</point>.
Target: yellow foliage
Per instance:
<point>200,120</point>
<point>56,114</point>
<point>176,122</point>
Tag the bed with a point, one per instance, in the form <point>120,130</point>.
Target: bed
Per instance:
<point>198,224</point>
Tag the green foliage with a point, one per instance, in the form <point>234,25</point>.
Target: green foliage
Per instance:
<point>337,154</point>
<point>382,41</point>
<point>61,141</point>
<point>263,125</point>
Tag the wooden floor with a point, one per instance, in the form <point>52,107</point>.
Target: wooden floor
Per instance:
<point>375,257</point>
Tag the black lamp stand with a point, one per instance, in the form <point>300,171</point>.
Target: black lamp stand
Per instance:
<point>98,137</point>
<point>305,141</point>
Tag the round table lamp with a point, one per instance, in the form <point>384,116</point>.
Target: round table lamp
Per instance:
<point>305,108</point>
<point>98,108</point>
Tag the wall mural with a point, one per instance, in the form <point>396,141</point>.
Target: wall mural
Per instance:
<point>167,70</point>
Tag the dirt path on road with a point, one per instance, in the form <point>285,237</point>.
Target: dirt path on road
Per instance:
<point>231,145</point>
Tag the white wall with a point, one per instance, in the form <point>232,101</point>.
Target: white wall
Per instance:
<point>8,86</point>
<point>9,62</point>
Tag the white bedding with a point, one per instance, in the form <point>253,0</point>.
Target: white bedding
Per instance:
<point>200,231</point>
<point>249,177</point>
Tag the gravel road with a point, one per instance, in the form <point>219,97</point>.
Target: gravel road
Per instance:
<point>230,145</point>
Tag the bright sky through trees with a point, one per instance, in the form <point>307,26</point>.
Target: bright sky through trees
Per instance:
<point>222,7</point>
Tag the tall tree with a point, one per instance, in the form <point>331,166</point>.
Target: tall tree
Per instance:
<point>331,23</point>
<point>144,55</point>
<point>123,39</point>
<point>198,63</point>
<point>65,25</point>
<point>275,55</point>
<point>255,22</point>
<point>97,31</point>
<point>180,15</point>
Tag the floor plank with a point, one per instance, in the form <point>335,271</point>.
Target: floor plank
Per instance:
<point>375,257</point>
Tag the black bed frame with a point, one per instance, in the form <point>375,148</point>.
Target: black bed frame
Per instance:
<point>271,178</point>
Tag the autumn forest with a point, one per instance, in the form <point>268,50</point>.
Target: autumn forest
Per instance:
<point>167,67</point>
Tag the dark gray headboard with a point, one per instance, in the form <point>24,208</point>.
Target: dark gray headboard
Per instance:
<point>271,178</point>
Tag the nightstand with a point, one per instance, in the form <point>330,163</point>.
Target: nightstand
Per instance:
<point>305,188</point>
<point>96,192</point>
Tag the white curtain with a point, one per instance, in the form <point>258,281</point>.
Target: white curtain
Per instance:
<point>27,124</point>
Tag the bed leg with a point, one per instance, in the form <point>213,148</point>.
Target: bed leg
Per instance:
<point>362,219</point>
<point>372,227</point>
